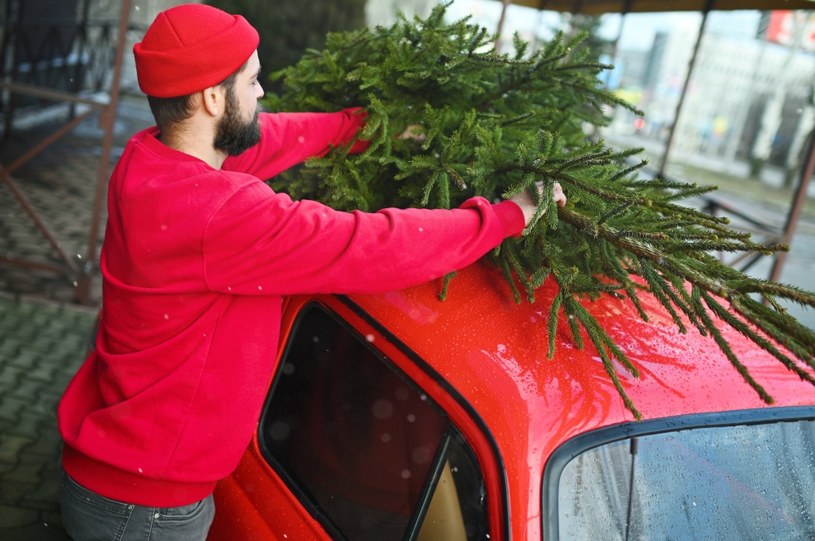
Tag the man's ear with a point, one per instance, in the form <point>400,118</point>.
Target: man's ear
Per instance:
<point>213,100</point>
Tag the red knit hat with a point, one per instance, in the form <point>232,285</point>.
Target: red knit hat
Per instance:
<point>192,47</point>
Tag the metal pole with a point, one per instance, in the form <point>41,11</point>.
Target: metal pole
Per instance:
<point>23,201</point>
<point>49,94</point>
<point>107,120</point>
<point>28,264</point>
<point>795,210</point>
<point>686,84</point>
<point>616,43</point>
<point>504,5</point>
<point>48,141</point>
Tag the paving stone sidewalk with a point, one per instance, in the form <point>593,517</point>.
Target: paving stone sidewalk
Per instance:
<point>41,346</point>
<point>43,333</point>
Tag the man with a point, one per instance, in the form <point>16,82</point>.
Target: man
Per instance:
<point>198,253</point>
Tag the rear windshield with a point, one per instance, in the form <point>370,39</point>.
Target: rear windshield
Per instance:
<point>746,481</point>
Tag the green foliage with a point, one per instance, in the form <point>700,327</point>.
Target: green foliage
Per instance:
<point>494,124</point>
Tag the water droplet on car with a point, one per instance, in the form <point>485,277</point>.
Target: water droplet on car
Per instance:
<point>382,409</point>
<point>420,455</point>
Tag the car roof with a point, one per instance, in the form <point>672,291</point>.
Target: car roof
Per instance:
<point>494,352</point>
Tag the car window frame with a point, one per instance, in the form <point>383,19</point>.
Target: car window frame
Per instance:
<point>570,449</point>
<point>453,430</point>
<point>463,415</point>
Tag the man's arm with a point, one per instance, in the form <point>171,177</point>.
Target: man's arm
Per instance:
<point>262,243</point>
<point>270,245</point>
<point>291,138</point>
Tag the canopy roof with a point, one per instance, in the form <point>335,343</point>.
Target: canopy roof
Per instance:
<point>598,7</point>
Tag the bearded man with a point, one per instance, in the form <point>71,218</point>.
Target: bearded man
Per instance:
<point>197,257</point>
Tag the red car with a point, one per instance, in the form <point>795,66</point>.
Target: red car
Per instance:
<point>399,416</point>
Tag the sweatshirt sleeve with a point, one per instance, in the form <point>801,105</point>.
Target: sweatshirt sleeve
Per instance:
<point>263,243</point>
<point>290,138</point>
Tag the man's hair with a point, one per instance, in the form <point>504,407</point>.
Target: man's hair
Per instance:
<point>169,112</point>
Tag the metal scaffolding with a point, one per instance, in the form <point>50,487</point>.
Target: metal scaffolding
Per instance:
<point>48,54</point>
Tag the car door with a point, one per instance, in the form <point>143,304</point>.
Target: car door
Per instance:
<point>351,446</point>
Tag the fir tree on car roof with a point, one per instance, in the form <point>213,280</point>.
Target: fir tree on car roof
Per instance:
<point>478,122</point>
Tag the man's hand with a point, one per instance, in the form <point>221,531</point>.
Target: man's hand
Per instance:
<point>524,200</point>
<point>414,132</point>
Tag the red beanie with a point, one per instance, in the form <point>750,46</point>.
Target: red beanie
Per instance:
<point>192,47</point>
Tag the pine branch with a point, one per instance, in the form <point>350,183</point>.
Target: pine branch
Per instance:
<point>743,328</point>
<point>494,125</point>
<point>601,341</point>
<point>725,347</point>
<point>665,295</point>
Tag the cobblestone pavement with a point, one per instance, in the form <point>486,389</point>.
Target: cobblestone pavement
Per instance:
<point>43,332</point>
<point>41,346</point>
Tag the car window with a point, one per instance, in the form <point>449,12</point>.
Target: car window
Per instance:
<point>748,481</point>
<point>367,450</point>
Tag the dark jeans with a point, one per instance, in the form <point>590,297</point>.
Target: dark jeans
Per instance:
<point>87,516</point>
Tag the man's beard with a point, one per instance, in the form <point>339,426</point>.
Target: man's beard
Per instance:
<point>232,134</point>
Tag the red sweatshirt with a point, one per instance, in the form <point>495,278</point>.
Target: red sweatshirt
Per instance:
<point>195,264</point>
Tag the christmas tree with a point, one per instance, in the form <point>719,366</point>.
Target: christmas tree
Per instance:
<point>492,124</point>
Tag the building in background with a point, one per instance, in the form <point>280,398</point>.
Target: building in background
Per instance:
<point>749,98</point>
